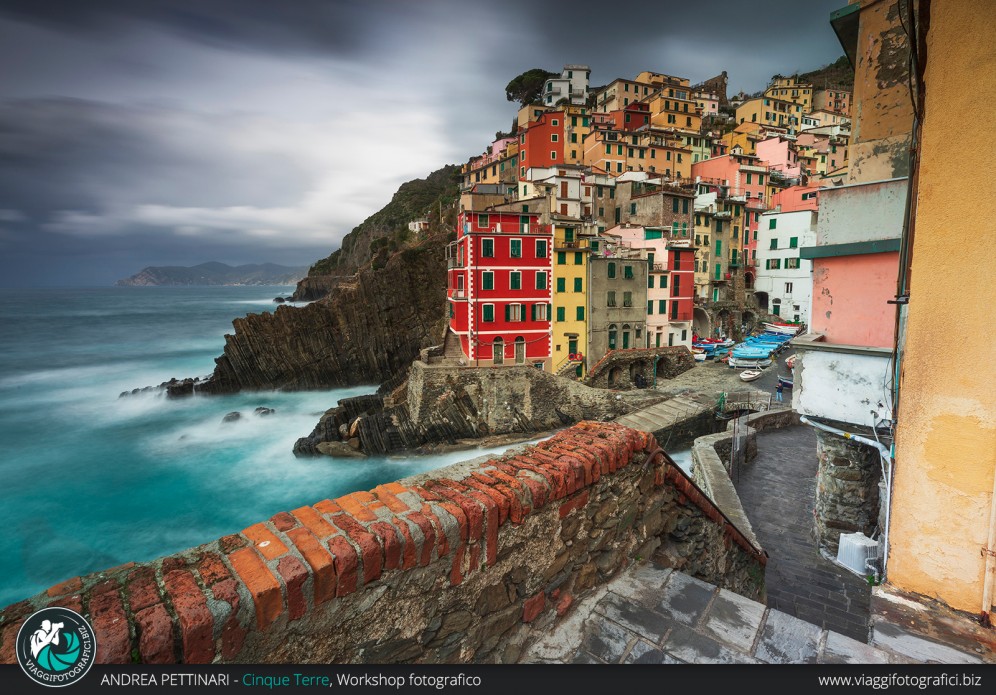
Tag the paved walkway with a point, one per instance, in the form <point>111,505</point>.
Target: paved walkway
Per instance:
<point>653,615</point>
<point>777,491</point>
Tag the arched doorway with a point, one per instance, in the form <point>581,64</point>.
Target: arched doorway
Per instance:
<point>724,323</point>
<point>776,306</point>
<point>614,375</point>
<point>701,324</point>
<point>762,300</point>
<point>636,371</point>
<point>613,335</point>
<point>748,281</point>
<point>625,337</point>
<point>498,351</point>
<point>749,321</point>
<point>520,350</point>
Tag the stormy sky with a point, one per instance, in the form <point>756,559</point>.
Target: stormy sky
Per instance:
<point>174,132</point>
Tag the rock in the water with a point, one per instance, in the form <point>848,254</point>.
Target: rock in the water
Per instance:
<point>339,449</point>
<point>279,300</point>
<point>232,416</point>
<point>354,442</point>
<point>263,411</point>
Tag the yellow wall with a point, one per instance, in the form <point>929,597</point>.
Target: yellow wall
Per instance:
<point>946,443</point>
<point>569,300</point>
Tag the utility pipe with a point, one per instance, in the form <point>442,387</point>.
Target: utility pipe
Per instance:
<point>885,454</point>
<point>987,585</point>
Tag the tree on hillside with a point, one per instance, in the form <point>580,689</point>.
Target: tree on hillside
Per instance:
<point>527,87</point>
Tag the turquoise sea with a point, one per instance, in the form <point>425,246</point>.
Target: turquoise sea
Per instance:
<point>89,480</point>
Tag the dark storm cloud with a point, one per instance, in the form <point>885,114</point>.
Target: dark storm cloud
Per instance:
<point>154,132</point>
<point>294,26</point>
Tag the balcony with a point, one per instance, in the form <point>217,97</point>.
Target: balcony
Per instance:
<point>680,316</point>
<point>458,294</point>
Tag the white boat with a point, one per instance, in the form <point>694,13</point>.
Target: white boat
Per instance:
<point>750,374</point>
<point>784,329</point>
<point>700,356</point>
<point>746,363</point>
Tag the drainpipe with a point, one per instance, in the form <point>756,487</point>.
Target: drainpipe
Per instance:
<point>987,586</point>
<point>886,454</point>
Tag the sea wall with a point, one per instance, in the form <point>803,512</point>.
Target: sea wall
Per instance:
<point>464,564</point>
<point>623,369</point>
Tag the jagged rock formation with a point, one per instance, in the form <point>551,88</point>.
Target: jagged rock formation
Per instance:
<point>440,405</point>
<point>214,274</point>
<point>366,331</point>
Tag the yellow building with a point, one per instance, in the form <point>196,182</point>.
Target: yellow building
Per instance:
<point>703,249</point>
<point>669,111</point>
<point>791,89</point>
<point>570,298</point>
<point>942,538</point>
<point>770,111</point>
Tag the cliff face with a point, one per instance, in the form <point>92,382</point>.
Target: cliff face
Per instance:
<point>367,330</point>
<point>386,231</point>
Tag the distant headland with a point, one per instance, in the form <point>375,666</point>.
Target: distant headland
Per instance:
<point>214,273</point>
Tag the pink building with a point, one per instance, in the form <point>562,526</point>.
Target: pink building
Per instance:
<point>797,198</point>
<point>780,155</point>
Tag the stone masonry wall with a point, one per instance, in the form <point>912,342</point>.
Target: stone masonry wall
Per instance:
<point>847,488</point>
<point>462,564</point>
<point>618,368</point>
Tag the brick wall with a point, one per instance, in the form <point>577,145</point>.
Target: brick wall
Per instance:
<point>464,564</point>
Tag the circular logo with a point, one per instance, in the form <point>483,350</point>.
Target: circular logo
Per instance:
<point>56,647</point>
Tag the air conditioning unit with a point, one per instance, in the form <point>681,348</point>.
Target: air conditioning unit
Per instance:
<point>855,550</point>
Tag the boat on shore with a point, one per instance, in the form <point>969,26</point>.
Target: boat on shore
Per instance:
<point>783,328</point>
<point>750,374</point>
<point>786,382</point>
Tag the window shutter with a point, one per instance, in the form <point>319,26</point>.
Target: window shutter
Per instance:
<point>508,312</point>
<point>534,311</point>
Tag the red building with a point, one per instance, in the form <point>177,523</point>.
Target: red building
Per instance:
<point>542,143</point>
<point>681,262</point>
<point>500,288</point>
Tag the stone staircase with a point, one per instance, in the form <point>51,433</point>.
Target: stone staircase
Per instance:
<point>664,414</point>
<point>650,614</point>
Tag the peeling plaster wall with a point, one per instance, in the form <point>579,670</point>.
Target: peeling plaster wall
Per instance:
<point>882,113</point>
<point>946,442</point>
<point>840,386</point>
<point>850,295</point>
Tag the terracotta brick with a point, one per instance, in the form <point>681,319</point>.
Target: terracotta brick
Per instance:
<point>390,541</point>
<point>429,534</point>
<point>233,633</point>
<point>409,551</point>
<point>371,553</point>
<point>475,557</point>
<point>69,586</point>
<point>447,483</point>
<point>537,490</point>
<point>354,504</point>
<point>532,607</point>
<point>439,534</point>
<point>194,616</point>
<point>263,586</point>
<point>231,543</point>
<point>346,564</point>
<point>319,560</point>
<point>73,602</point>
<point>154,630</point>
<point>492,521</point>
<point>110,625</point>
<point>564,604</point>
<point>328,507</point>
<point>212,569</point>
<point>141,589</point>
<point>456,575</point>
<point>471,509</point>
<point>313,520</point>
<point>575,502</point>
<point>268,545</point>
<point>462,522</point>
<point>8,641</point>
<point>500,498</point>
<point>173,562</point>
<point>426,494</point>
<point>283,521</point>
<point>390,499</point>
<point>294,574</point>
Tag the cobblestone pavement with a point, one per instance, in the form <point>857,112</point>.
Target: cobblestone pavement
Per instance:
<point>777,491</point>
